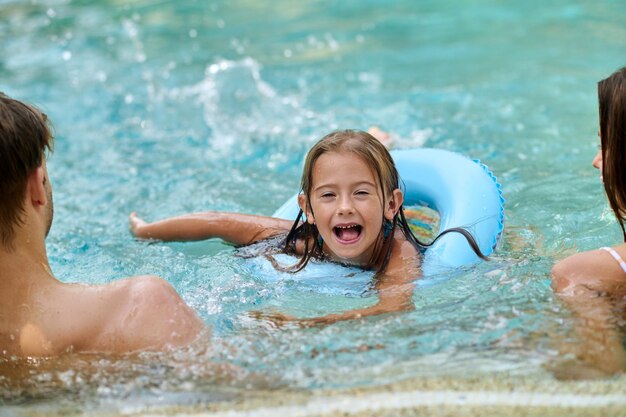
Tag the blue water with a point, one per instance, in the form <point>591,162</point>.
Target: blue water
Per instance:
<point>169,107</point>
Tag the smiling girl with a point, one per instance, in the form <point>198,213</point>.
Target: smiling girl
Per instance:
<point>352,207</point>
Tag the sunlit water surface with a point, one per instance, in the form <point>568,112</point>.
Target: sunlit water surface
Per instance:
<point>172,107</point>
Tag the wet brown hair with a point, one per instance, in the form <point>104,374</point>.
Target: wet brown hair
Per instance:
<point>25,136</point>
<point>378,158</point>
<point>612,111</point>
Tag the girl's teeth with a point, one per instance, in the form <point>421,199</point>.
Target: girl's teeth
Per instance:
<point>348,232</point>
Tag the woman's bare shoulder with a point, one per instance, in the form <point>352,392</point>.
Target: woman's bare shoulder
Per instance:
<point>596,270</point>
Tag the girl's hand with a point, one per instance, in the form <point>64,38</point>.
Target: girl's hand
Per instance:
<point>136,224</point>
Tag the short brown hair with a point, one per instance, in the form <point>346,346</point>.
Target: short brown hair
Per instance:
<point>25,135</point>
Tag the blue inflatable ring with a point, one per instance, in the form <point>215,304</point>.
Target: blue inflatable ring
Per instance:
<point>464,192</point>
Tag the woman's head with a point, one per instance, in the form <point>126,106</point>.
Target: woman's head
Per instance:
<point>612,109</point>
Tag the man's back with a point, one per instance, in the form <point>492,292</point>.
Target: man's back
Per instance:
<point>140,313</point>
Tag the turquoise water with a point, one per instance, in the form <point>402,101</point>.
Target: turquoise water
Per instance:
<point>171,107</point>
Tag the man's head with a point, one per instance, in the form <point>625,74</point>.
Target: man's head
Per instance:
<point>24,138</point>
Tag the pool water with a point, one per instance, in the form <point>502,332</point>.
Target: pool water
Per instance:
<point>169,107</point>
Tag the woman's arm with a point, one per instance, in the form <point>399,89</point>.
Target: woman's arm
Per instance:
<point>236,228</point>
<point>592,284</point>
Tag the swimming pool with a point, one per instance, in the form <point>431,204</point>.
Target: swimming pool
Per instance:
<point>170,107</point>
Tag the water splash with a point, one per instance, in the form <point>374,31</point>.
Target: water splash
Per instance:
<point>238,105</point>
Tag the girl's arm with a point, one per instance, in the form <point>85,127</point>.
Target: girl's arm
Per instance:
<point>395,294</point>
<point>235,228</point>
<point>395,291</point>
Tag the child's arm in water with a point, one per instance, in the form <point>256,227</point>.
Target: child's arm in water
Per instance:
<point>395,291</point>
<point>235,228</point>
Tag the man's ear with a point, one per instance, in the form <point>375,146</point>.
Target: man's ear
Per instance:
<point>394,204</point>
<point>302,202</point>
<point>36,187</point>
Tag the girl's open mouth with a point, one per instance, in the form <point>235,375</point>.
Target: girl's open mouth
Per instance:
<point>347,233</point>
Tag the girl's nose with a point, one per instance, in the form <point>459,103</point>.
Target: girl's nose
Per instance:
<point>345,207</point>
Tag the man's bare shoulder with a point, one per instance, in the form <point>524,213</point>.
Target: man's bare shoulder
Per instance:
<point>137,313</point>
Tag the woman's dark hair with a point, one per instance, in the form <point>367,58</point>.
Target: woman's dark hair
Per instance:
<point>612,109</point>
<point>376,156</point>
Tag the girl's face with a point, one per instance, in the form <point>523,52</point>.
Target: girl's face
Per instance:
<point>347,206</point>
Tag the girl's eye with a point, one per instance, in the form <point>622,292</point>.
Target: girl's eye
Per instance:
<point>327,195</point>
<point>362,192</point>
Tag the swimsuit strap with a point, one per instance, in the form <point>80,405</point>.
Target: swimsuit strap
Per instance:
<point>616,256</point>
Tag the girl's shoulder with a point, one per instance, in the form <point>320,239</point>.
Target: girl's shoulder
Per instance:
<point>405,258</point>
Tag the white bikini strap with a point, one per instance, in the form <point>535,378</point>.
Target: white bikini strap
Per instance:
<point>616,256</point>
